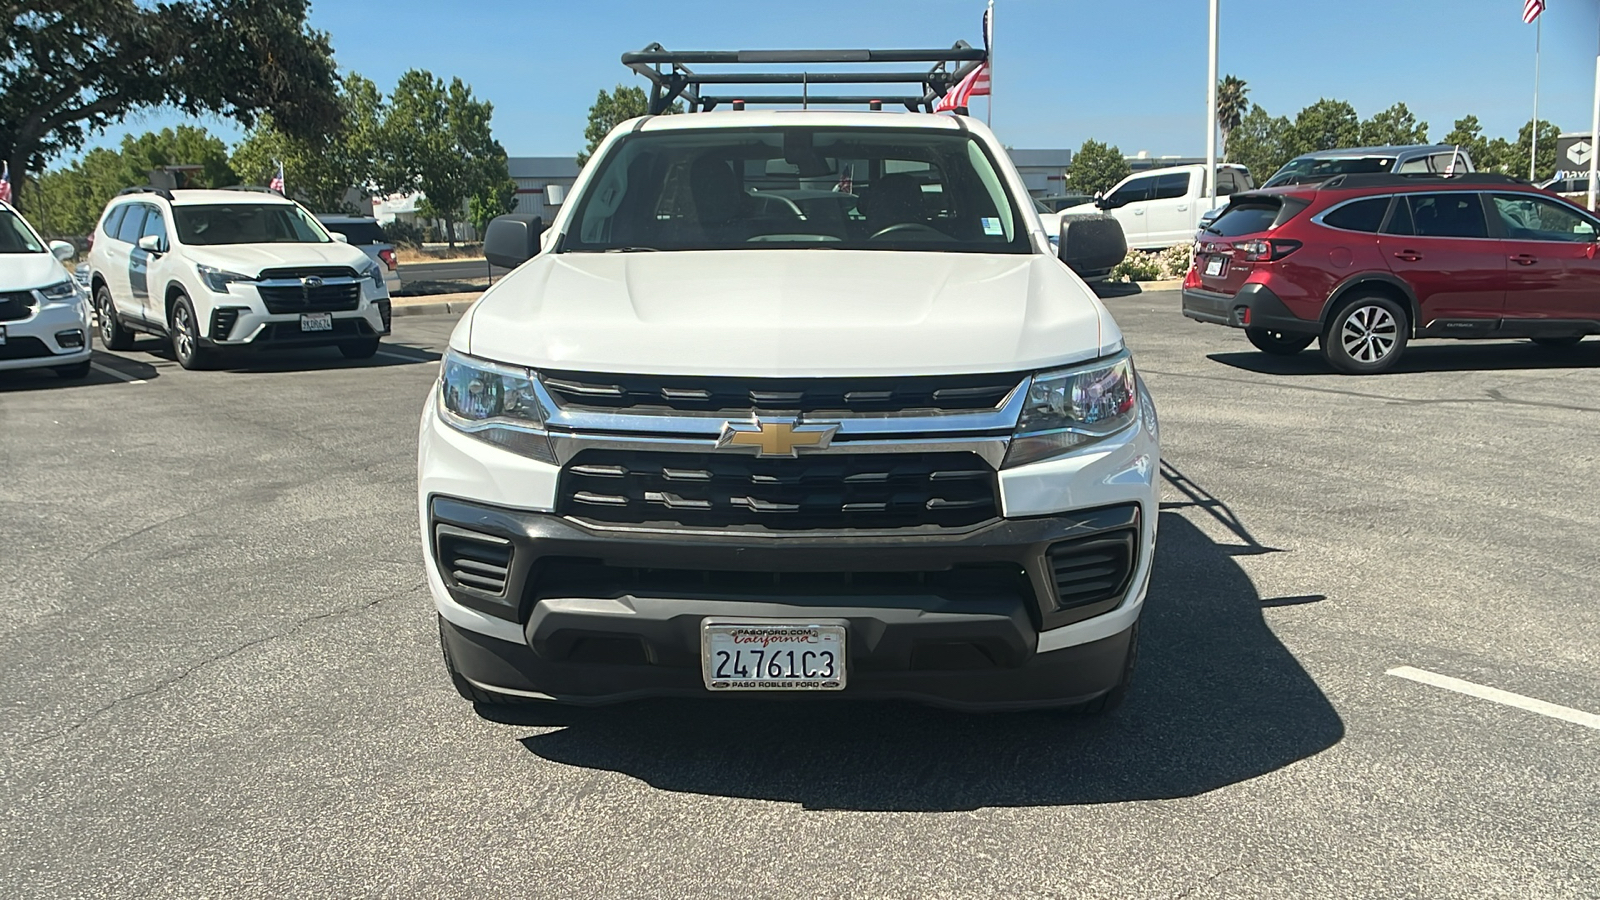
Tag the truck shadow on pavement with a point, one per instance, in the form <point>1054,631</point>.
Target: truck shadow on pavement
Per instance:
<point>1451,356</point>
<point>1216,700</point>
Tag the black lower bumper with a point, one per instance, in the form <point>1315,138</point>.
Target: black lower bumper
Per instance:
<point>1254,306</point>
<point>945,617</point>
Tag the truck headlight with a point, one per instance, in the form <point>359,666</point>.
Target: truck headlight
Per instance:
<point>1070,408</point>
<point>493,403</point>
<point>219,279</point>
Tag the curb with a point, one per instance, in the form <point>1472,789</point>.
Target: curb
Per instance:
<point>440,304</point>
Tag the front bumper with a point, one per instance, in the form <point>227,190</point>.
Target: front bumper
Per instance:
<point>240,318</point>
<point>1254,306</point>
<point>56,334</point>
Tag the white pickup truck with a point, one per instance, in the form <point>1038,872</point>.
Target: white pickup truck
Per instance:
<point>1162,208</point>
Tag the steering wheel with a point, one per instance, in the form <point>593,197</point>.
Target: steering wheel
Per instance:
<point>909,228</point>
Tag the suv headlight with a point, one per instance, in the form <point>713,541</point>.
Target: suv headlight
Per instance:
<point>493,403</point>
<point>59,292</point>
<point>375,273</point>
<point>219,279</point>
<point>1070,408</point>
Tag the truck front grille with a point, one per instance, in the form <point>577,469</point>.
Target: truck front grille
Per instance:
<point>721,490</point>
<point>665,394</point>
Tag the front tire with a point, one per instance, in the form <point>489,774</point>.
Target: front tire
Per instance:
<point>1366,336</point>
<point>184,329</point>
<point>74,372</point>
<point>112,334</point>
<point>1278,343</point>
<point>365,348</point>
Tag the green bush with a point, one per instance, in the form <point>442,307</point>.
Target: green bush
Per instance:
<point>404,234</point>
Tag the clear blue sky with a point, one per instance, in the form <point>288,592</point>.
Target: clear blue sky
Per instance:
<point>1130,72</point>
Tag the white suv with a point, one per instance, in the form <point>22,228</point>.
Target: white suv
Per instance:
<point>217,270</point>
<point>792,401</point>
<point>44,315</point>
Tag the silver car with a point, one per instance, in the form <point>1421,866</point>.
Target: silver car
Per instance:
<point>365,232</point>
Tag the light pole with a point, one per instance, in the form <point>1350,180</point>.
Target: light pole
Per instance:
<point>1211,116</point>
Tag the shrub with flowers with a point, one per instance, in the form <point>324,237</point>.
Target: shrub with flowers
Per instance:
<point>1155,265</point>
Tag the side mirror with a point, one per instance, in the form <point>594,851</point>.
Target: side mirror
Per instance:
<point>62,250</point>
<point>152,243</point>
<point>1091,244</point>
<point>339,238</point>
<point>512,240</point>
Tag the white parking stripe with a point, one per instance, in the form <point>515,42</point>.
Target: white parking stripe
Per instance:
<point>115,374</point>
<point>1554,711</point>
<point>409,359</point>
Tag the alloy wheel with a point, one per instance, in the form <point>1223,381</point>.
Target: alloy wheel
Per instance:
<point>108,326</point>
<point>1369,334</point>
<point>182,332</point>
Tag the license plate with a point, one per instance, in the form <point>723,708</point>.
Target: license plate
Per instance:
<point>772,655</point>
<point>316,322</point>
<point>1215,264</point>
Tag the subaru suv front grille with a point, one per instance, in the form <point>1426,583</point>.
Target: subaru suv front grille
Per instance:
<point>16,305</point>
<point>298,298</point>
<point>665,394</point>
<point>722,490</point>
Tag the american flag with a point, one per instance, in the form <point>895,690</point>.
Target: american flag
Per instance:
<point>1531,10</point>
<point>276,183</point>
<point>5,183</point>
<point>976,84</point>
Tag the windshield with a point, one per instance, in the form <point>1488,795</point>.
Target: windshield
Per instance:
<point>246,223</point>
<point>16,236</point>
<point>851,189</point>
<point>1308,169</point>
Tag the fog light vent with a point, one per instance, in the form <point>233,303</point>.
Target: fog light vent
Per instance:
<point>222,321</point>
<point>478,561</point>
<point>72,338</point>
<point>1094,569</point>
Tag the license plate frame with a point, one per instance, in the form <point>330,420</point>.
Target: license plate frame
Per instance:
<point>316,321</point>
<point>1216,265</point>
<point>778,645</point>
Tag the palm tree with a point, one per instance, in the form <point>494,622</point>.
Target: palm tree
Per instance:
<point>1231,106</point>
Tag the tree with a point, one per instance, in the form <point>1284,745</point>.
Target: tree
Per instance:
<point>1545,166</point>
<point>1260,143</point>
<point>1394,127</point>
<point>435,139</point>
<point>1231,106</point>
<point>1324,125</point>
<point>71,69</point>
<point>493,200</point>
<point>611,110</point>
<point>321,170</point>
<point>1468,135</point>
<point>185,145</point>
<point>1096,167</point>
<point>68,201</point>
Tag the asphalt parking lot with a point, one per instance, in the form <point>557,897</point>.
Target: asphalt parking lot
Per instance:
<point>220,675</point>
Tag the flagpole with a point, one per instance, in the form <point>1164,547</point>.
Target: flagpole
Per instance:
<point>988,115</point>
<point>1533,152</point>
<point>1211,115</point>
<point>1594,137</point>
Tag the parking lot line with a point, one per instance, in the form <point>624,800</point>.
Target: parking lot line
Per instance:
<point>115,374</point>
<point>401,356</point>
<point>1554,711</point>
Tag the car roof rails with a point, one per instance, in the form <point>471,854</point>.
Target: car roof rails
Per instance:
<point>671,78</point>
<point>163,193</point>
<point>1381,180</point>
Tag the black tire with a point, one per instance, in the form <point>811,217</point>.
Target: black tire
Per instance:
<point>1110,700</point>
<point>1558,343</point>
<point>1366,335</point>
<point>467,689</point>
<point>112,335</point>
<point>184,330</point>
<point>1278,343</point>
<point>74,372</point>
<point>362,349</point>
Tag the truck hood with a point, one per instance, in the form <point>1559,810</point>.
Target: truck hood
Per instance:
<point>26,271</point>
<point>250,259</point>
<point>788,312</point>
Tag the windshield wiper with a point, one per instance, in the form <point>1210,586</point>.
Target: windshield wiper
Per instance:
<point>627,250</point>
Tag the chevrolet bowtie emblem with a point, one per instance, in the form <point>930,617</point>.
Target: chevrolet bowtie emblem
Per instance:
<point>776,437</point>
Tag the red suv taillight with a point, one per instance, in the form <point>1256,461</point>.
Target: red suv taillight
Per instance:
<point>388,258</point>
<point>1270,250</point>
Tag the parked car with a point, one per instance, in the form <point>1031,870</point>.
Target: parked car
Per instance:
<point>1161,208</point>
<point>366,233</point>
<point>699,444</point>
<point>44,315</point>
<point>219,271</point>
<point>1367,263</point>
<point>1423,159</point>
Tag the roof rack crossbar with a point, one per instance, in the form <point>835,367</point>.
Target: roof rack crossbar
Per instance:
<point>671,78</point>
<point>163,193</point>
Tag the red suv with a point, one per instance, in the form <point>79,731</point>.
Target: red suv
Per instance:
<point>1365,263</point>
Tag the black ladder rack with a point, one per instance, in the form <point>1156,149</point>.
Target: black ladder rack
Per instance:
<point>671,78</point>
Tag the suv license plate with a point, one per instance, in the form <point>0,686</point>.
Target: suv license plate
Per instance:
<point>772,655</point>
<point>1215,265</point>
<point>316,322</point>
